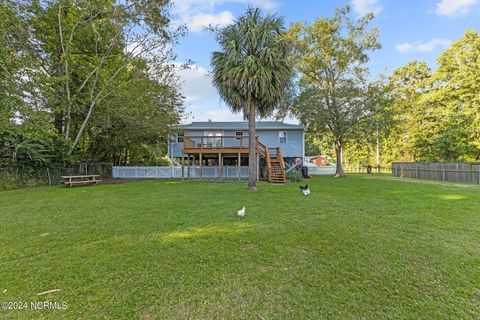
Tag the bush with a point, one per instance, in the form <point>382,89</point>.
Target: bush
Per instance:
<point>294,176</point>
<point>165,161</point>
<point>14,179</point>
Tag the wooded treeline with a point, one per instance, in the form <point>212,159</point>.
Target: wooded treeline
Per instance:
<point>90,81</point>
<point>423,114</point>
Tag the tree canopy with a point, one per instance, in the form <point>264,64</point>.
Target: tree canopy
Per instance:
<point>95,76</point>
<point>252,71</point>
<point>335,93</point>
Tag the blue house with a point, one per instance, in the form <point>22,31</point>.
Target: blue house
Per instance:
<point>223,144</point>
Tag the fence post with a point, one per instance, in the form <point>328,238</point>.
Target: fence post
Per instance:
<point>443,174</point>
<point>136,173</point>
<point>49,180</point>
<point>416,173</point>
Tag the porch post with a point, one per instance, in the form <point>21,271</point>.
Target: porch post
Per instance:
<point>201,168</point>
<point>238,166</point>
<point>220,165</point>
<point>183,167</point>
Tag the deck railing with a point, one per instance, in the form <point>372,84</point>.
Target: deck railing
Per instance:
<point>215,142</point>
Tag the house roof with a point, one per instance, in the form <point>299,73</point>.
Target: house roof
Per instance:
<point>240,125</point>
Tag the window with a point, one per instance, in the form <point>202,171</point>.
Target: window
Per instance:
<point>180,137</point>
<point>282,136</point>
<point>239,134</point>
<point>214,139</point>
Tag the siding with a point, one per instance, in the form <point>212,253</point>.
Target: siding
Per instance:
<point>293,147</point>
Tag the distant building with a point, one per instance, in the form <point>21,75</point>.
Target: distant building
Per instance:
<point>318,160</point>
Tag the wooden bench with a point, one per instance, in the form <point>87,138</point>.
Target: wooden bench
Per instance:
<point>81,179</point>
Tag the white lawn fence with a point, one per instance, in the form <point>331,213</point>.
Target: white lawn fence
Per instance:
<point>322,170</point>
<point>208,172</point>
<point>174,172</point>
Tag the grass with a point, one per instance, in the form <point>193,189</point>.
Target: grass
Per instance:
<point>365,247</point>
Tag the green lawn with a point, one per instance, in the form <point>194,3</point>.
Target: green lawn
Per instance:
<point>357,248</point>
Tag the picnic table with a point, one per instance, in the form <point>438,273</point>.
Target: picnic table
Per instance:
<point>81,179</point>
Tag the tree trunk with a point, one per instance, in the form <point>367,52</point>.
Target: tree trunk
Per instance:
<point>82,128</point>
<point>252,148</point>
<point>338,150</point>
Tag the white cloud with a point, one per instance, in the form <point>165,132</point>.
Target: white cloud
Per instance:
<point>196,84</point>
<point>197,14</point>
<point>422,46</point>
<point>362,7</point>
<point>201,98</point>
<point>455,8</point>
<point>199,21</point>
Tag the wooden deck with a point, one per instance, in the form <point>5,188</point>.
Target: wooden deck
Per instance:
<point>214,145</point>
<point>220,147</point>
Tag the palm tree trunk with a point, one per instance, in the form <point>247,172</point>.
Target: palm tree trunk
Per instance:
<point>252,148</point>
<point>338,151</point>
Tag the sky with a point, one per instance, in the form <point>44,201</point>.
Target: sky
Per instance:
<point>409,30</point>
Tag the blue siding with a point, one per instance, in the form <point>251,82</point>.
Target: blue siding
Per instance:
<point>293,147</point>
<point>270,138</point>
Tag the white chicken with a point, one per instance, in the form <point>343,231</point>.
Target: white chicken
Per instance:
<point>305,190</point>
<point>241,213</point>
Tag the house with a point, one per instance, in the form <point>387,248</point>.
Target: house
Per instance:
<point>220,144</point>
<point>318,160</point>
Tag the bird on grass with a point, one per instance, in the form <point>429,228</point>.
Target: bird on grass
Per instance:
<point>305,190</point>
<point>241,213</point>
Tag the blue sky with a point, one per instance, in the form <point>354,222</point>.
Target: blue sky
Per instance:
<point>409,30</point>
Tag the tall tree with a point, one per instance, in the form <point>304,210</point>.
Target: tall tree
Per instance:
<point>75,73</point>
<point>251,71</point>
<point>455,101</point>
<point>87,49</point>
<point>436,113</point>
<point>407,86</point>
<point>335,91</point>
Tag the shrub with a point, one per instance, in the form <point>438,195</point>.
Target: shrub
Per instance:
<point>165,161</point>
<point>294,176</point>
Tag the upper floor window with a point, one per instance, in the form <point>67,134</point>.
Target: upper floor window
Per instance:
<point>239,134</point>
<point>282,136</point>
<point>180,137</point>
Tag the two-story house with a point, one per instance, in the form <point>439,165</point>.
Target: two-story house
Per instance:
<point>222,144</point>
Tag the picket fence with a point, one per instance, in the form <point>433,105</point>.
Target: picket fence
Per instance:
<point>208,172</point>
<point>463,172</point>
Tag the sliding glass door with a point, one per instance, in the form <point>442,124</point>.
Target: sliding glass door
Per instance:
<point>213,139</point>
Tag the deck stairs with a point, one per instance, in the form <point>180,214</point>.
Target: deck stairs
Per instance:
<point>274,163</point>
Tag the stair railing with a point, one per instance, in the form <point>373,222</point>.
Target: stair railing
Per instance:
<point>280,158</point>
<point>264,152</point>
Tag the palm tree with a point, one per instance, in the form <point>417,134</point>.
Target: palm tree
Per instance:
<point>251,71</point>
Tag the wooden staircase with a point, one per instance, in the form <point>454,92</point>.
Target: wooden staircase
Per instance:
<point>274,161</point>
